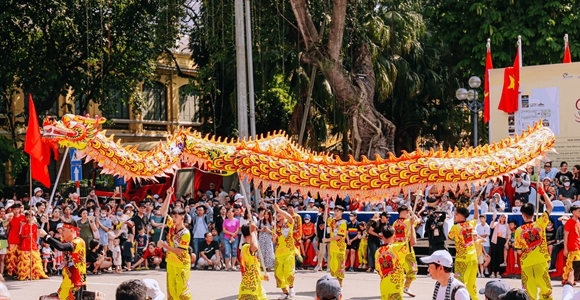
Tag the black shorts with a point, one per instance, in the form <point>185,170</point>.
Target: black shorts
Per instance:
<point>128,259</point>
<point>353,246</point>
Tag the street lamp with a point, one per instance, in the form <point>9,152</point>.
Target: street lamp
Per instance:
<point>472,102</point>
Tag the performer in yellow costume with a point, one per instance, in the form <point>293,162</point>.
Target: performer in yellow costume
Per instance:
<point>363,247</point>
<point>74,272</point>
<point>297,231</point>
<point>13,251</point>
<point>530,240</point>
<point>178,259</point>
<point>402,227</point>
<point>29,263</point>
<point>337,240</point>
<point>390,261</point>
<point>285,252</point>
<point>251,285</point>
<point>463,234</point>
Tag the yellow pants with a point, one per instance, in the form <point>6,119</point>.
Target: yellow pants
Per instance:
<point>284,271</point>
<point>395,296</point>
<point>466,272</point>
<point>336,264</point>
<point>571,258</point>
<point>178,283</point>
<point>30,264</point>
<point>362,252</point>
<point>536,277</point>
<point>12,254</point>
<point>410,269</point>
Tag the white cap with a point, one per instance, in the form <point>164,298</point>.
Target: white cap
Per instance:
<point>441,257</point>
<point>36,190</point>
<point>156,196</point>
<point>128,205</point>
<point>9,203</point>
<point>238,196</point>
<point>153,290</point>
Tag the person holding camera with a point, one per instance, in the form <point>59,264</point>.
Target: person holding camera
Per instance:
<point>435,230</point>
<point>521,185</point>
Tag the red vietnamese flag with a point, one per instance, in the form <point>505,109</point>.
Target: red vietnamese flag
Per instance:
<point>35,147</point>
<point>567,55</point>
<point>488,66</point>
<point>511,87</point>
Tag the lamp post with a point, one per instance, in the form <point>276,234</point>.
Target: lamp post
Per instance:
<point>471,101</point>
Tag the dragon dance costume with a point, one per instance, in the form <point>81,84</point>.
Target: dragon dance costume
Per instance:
<point>178,266</point>
<point>74,272</point>
<point>29,261</point>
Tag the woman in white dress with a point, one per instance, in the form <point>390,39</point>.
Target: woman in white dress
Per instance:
<point>265,239</point>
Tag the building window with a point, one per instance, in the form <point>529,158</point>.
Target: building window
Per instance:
<point>188,105</point>
<point>155,102</point>
<point>155,98</point>
<point>121,112</point>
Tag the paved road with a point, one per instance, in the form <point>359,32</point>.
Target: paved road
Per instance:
<point>221,285</point>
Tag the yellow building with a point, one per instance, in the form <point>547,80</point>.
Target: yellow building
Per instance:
<point>168,106</point>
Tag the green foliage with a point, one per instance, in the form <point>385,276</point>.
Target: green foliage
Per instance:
<point>98,50</point>
<point>12,158</point>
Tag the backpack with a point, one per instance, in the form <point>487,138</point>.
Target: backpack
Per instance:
<point>455,289</point>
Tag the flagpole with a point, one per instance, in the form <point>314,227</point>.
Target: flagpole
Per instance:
<point>55,184</point>
<point>30,194</point>
<point>520,49</point>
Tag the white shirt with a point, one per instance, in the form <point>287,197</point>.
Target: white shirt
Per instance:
<point>34,200</point>
<point>483,230</point>
<point>461,294</point>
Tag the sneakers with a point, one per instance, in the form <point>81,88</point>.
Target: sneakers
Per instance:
<point>552,270</point>
<point>284,297</point>
<point>516,266</point>
<point>292,292</point>
<point>217,268</point>
<point>317,268</point>
<point>503,265</point>
<point>351,269</point>
<point>491,276</point>
<point>408,292</point>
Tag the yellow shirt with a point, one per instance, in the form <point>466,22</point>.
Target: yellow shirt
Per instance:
<point>479,247</point>
<point>531,239</point>
<point>285,239</point>
<point>178,239</point>
<point>337,228</point>
<point>297,230</point>
<point>75,269</point>
<point>389,263</point>
<point>463,235</point>
<point>251,285</point>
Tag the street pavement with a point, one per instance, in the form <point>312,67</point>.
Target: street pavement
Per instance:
<point>221,285</point>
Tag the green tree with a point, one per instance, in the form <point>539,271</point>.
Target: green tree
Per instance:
<point>98,50</point>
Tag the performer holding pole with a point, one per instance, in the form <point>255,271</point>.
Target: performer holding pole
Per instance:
<point>178,259</point>
<point>530,240</point>
<point>30,264</point>
<point>337,248</point>
<point>74,272</point>
<point>404,232</point>
<point>249,209</point>
<point>251,285</point>
<point>463,233</point>
<point>284,256</point>
<point>14,239</point>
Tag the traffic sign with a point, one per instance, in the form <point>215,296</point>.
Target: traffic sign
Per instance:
<point>76,171</point>
<point>74,157</point>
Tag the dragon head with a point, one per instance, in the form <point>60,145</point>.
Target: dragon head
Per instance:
<point>72,130</point>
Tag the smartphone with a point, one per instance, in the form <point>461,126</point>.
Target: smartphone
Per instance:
<point>89,295</point>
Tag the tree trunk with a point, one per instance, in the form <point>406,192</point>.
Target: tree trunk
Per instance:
<point>371,133</point>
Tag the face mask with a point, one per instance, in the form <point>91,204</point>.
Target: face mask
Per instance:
<point>306,221</point>
<point>567,183</point>
<point>103,215</point>
<point>119,213</point>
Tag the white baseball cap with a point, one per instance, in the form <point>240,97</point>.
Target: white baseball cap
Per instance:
<point>237,197</point>
<point>441,257</point>
<point>153,290</point>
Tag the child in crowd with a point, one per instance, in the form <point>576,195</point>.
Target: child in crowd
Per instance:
<point>362,248</point>
<point>142,241</point>
<point>47,254</point>
<point>128,250</point>
<point>510,243</point>
<point>117,260</point>
<point>483,257</point>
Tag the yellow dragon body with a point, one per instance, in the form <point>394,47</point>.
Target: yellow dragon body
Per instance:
<point>275,159</point>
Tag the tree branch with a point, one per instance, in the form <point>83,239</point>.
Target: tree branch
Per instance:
<point>336,29</point>
<point>180,73</point>
<point>305,23</point>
